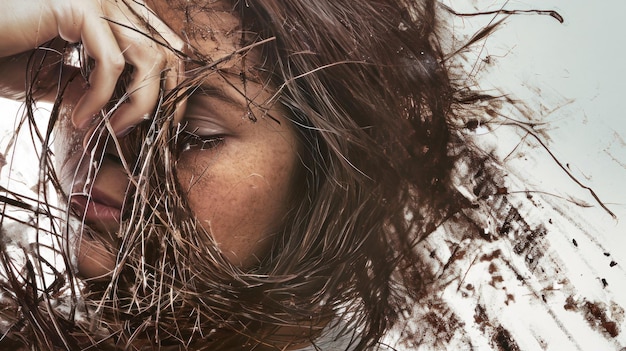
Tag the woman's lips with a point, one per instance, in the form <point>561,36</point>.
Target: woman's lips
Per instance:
<point>102,214</point>
<point>97,210</point>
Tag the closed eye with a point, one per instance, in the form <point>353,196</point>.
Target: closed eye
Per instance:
<point>193,141</point>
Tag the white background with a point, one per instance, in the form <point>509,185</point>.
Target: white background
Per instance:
<point>572,75</point>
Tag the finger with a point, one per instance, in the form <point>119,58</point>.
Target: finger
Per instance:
<point>172,46</point>
<point>142,92</point>
<point>172,80</point>
<point>177,74</point>
<point>153,59</point>
<point>100,43</point>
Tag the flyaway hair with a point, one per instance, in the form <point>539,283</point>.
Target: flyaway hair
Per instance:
<point>380,113</point>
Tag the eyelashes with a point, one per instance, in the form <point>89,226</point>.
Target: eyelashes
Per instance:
<point>193,141</point>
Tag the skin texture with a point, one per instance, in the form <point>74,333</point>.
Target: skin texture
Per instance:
<point>105,28</point>
<point>238,184</point>
<point>238,188</point>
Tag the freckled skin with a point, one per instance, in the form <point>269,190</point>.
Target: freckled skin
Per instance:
<point>240,189</point>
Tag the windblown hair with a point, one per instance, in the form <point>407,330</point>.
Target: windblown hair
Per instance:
<point>367,89</point>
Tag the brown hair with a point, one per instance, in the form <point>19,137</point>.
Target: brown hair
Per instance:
<point>368,91</point>
<point>367,88</point>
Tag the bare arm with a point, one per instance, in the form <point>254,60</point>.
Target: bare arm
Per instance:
<point>24,26</point>
<point>12,71</point>
<point>14,78</point>
<point>108,30</point>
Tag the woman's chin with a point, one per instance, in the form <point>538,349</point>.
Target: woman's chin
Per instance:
<point>94,261</point>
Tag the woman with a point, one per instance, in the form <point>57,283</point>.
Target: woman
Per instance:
<point>254,217</point>
<point>246,174</point>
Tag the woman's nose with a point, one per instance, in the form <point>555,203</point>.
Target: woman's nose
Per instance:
<point>112,179</point>
<point>112,165</point>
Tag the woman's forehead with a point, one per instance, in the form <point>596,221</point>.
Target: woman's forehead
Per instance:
<point>210,26</point>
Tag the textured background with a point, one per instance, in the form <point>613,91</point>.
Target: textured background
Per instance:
<point>545,269</point>
<point>543,272</point>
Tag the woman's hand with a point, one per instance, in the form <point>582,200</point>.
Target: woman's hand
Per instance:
<point>113,33</point>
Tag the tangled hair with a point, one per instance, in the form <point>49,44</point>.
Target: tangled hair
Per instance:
<point>367,89</point>
<point>366,86</point>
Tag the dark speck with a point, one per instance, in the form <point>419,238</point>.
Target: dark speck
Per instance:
<point>504,340</point>
<point>612,264</point>
<point>575,242</point>
<point>472,124</point>
<point>604,283</point>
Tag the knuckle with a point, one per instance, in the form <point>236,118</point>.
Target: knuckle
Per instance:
<point>152,63</point>
<point>160,59</point>
<point>115,63</point>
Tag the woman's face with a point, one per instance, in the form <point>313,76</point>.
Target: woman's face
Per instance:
<point>237,175</point>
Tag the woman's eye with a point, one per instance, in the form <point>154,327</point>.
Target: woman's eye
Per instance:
<point>191,141</point>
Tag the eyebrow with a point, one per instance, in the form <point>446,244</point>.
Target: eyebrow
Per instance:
<point>210,90</point>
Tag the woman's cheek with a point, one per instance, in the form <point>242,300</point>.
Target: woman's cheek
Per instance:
<point>238,207</point>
